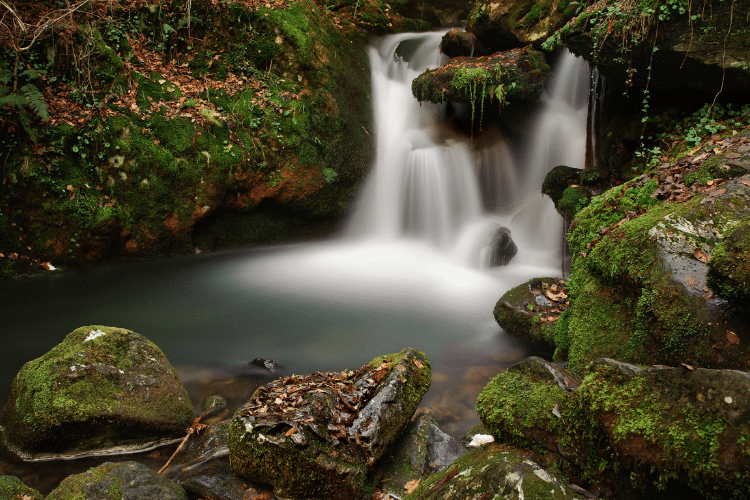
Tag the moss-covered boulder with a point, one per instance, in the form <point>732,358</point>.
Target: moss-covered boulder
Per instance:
<point>529,311</point>
<point>12,488</point>
<point>638,284</point>
<point>495,471</point>
<point>102,389</point>
<point>319,435</point>
<point>661,431</point>
<point>571,189</point>
<point>514,75</point>
<point>113,481</point>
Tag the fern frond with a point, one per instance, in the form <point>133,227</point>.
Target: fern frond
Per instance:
<point>32,74</point>
<point>35,100</point>
<point>14,99</point>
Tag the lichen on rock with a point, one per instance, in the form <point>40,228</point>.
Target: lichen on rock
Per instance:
<point>101,390</point>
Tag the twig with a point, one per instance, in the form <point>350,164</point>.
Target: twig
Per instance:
<point>195,428</point>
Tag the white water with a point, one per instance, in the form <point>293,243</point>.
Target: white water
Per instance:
<point>417,242</point>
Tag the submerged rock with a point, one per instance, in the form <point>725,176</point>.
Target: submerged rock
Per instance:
<point>319,435</point>
<point>503,248</point>
<point>494,471</point>
<point>13,488</point>
<point>126,480</point>
<point>103,389</point>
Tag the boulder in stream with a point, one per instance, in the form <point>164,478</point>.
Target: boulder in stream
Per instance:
<point>319,435</point>
<point>126,480</point>
<point>680,431</point>
<point>102,390</point>
<point>503,248</point>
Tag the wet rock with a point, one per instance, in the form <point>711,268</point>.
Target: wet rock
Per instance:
<point>571,189</point>
<point>494,471</point>
<point>213,409</point>
<point>514,75</point>
<point>126,480</point>
<point>458,43</point>
<point>13,488</point>
<point>103,389</point>
<point>529,311</point>
<point>503,247</point>
<point>423,450</point>
<point>202,467</point>
<point>319,435</point>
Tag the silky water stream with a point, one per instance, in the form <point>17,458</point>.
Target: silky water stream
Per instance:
<point>409,269</point>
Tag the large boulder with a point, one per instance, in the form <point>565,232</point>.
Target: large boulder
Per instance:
<point>638,286</point>
<point>126,480</point>
<point>102,389</point>
<point>502,247</point>
<point>680,430</point>
<point>495,471</point>
<point>319,435</point>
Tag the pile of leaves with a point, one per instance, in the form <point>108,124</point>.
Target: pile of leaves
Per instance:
<point>326,403</point>
<point>556,294</point>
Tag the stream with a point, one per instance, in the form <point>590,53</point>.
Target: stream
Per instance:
<point>409,268</point>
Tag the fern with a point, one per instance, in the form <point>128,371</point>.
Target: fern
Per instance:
<point>35,100</point>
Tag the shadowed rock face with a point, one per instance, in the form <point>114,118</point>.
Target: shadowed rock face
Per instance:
<point>103,389</point>
<point>319,435</point>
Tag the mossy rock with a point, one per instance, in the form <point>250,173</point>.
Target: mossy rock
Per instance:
<point>495,471</point>
<point>526,313</point>
<point>12,488</point>
<point>319,444</point>
<point>514,75</point>
<point>638,283</point>
<point>102,390</point>
<point>115,481</point>
<point>729,267</point>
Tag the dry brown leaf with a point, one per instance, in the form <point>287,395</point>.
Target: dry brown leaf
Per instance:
<point>292,430</point>
<point>418,364</point>
<point>733,338</point>
<point>701,255</point>
<point>411,486</point>
<point>689,367</point>
<point>745,182</point>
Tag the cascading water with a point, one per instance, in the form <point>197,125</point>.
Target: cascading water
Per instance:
<point>407,272</point>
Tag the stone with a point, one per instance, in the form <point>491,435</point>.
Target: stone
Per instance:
<point>102,390</point>
<point>529,311</point>
<point>202,467</point>
<point>729,267</point>
<point>12,488</point>
<point>680,431</point>
<point>514,75</point>
<point>319,435</point>
<point>495,471</point>
<point>423,450</point>
<point>125,480</point>
<point>503,248</point>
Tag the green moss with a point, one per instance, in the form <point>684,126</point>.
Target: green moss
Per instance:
<point>573,200</point>
<point>12,488</point>
<point>729,267</point>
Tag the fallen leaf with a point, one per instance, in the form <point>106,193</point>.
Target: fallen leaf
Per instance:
<point>745,182</point>
<point>733,338</point>
<point>411,486</point>
<point>418,364</point>
<point>689,367</point>
<point>701,255</point>
<point>291,431</point>
<point>69,187</point>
